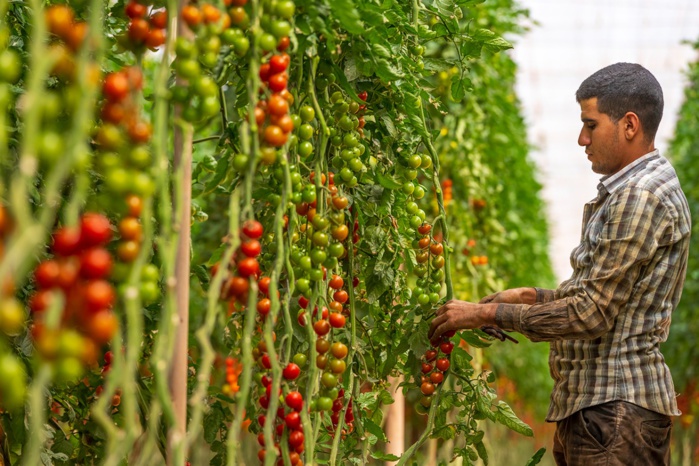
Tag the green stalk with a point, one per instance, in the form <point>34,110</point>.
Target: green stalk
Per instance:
<point>37,416</point>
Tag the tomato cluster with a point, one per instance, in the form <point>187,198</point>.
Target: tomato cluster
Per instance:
<point>76,280</point>
<point>430,268</point>
<point>13,385</point>
<point>122,137</point>
<point>337,408</point>
<point>272,111</point>
<point>447,192</point>
<point>244,265</point>
<point>146,28</point>
<point>233,370</point>
<point>434,365</point>
<point>345,137</point>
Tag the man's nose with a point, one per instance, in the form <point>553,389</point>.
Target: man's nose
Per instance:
<point>583,138</point>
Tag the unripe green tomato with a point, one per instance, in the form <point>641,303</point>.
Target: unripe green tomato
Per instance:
<point>118,180</point>
<point>185,48</point>
<point>309,193</point>
<point>347,154</point>
<point>320,239</point>
<point>315,275</point>
<point>108,160</point>
<point>229,36</point>
<point>356,165</point>
<point>51,147</point>
<point>140,157</point>
<point>324,403</point>
<point>353,182</point>
<point>336,250</point>
<point>361,148</point>
<point>142,183</point>
<point>321,83</point>
<point>150,273</point>
<point>318,256</point>
<point>241,45</point>
<point>353,107</point>
<point>426,161</point>
<point>336,97</point>
<point>51,106</point>
<point>303,285</point>
<point>205,86</point>
<point>305,149</point>
<point>328,380</point>
<point>68,370</point>
<point>345,123</point>
<point>434,298</point>
<point>268,42</point>
<point>209,59</point>
<point>412,208</point>
<point>346,174</point>
<point>149,291</point>
<point>337,163</point>
<point>240,162</point>
<point>423,298</point>
<point>437,275</point>
<point>293,141</point>
<point>295,177</point>
<point>307,113</point>
<point>435,287</point>
<point>415,221</point>
<point>12,317</point>
<point>408,188</point>
<point>426,401</point>
<point>336,140</point>
<point>320,223</point>
<point>187,68</point>
<point>305,263</point>
<point>417,291</point>
<point>419,192</point>
<point>285,9</point>
<point>180,94</point>
<point>421,213</point>
<point>410,174</point>
<point>281,29</point>
<point>414,161</point>
<point>330,262</point>
<point>300,359</point>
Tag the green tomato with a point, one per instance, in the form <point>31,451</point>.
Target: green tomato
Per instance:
<point>309,193</point>
<point>241,45</point>
<point>328,380</point>
<point>414,161</point>
<point>268,42</point>
<point>350,140</point>
<point>320,223</point>
<point>412,208</point>
<point>336,250</point>
<point>408,188</point>
<point>306,132</point>
<point>356,165</point>
<point>426,161</point>
<point>307,113</point>
<point>423,298</point>
<point>305,149</point>
<point>149,292</point>
<point>285,9</point>
<point>434,298</point>
<point>306,263</point>
<point>324,403</point>
<point>346,174</point>
<point>419,192</point>
<point>281,29</point>
<point>300,359</point>
<point>316,275</point>
<point>318,256</point>
<point>320,239</point>
<point>303,285</point>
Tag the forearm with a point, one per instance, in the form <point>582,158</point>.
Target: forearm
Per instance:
<point>563,319</point>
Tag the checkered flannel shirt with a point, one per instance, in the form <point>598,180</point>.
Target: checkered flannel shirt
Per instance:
<point>606,322</point>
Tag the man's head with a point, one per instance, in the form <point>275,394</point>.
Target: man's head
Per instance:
<point>621,105</point>
<point>623,88</point>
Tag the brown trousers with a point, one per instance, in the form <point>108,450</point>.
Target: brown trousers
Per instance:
<point>613,434</point>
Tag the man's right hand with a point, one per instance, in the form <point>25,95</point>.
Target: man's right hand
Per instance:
<point>513,296</point>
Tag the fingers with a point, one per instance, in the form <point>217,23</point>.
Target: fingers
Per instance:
<point>435,325</point>
<point>488,299</point>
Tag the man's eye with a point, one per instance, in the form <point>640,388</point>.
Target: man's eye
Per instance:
<point>591,126</point>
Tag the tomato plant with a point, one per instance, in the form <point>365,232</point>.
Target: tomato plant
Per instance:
<point>279,187</point>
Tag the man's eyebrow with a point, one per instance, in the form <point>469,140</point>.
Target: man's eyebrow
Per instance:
<point>588,120</point>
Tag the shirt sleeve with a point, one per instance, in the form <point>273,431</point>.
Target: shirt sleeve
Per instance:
<point>636,221</point>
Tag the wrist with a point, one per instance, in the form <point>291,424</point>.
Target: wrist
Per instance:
<point>528,295</point>
<point>487,314</point>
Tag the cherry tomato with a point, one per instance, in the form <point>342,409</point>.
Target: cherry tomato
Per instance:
<point>95,230</point>
<point>279,63</point>
<point>127,251</point>
<point>277,105</point>
<point>424,229</point>
<point>293,420</point>
<point>98,295</point>
<point>426,368</point>
<point>248,267</point>
<point>251,248</point>
<point>252,229</point>
<point>446,347</point>
<point>443,364</point>
<point>138,30</point>
<point>436,377</point>
<point>436,248</point>
<point>295,438</point>
<point>135,10</point>
<point>427,388</point>
<point>159,19</point>
<point>47,274</point>
<point>291,371</point>
<point>338,366</point>
<point>191,15</point>
<point>321,327</point>
<point>102,326</point>
<point>263,306</point>
<point>336,320</point>
<point>322,345</point>
<point>336,282</point>
<point>339,350</point>
<point>294,400</point>
<point>263,285</point>
<point>341,296</point>
<point>66,241</point>
<point>95,263</point>
<point>430,355</point>
<point>363,95</point>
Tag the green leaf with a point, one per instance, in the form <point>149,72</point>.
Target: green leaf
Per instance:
<point>458,88</point>
<point>536,458</point>
<point>387,181</point>
<point>482,452</point>
<point>381,456</point>
<point>348,16</point>
<point>212,423</point>
<point>505,416</point>
<point>446,432</point>
<point>373,428</point>
<point>490,40</point>
<point>473,339</point>
<point>221,172</point>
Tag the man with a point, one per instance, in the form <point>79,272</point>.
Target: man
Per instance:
<point>613,394</point>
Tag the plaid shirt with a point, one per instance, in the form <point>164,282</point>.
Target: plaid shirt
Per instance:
<point>606,322</point>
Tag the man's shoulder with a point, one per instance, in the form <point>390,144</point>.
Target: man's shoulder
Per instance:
<point>658,177</point>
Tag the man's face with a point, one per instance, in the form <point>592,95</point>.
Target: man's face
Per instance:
<point>600,137</point>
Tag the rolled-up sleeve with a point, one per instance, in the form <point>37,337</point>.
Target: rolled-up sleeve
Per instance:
<point>636,221</point>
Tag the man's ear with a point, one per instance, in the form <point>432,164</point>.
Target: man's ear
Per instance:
<point>632,126</point>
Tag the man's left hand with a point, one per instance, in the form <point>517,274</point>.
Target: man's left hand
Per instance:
<point>458,315</point>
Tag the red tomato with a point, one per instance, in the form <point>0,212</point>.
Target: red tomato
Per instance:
<point>277,82</point>
<point>135,10</point>
<point>294,400</point>
<point>336,282</point>
<point>40,301</point>
<point>295,438</point>
<point>159,19</point>
<point>138,30</point>
<point>265,72</point>
<point>95,263</point>
<point>443,364</point>
<point>95,230</point>
<point>337,320</point>
<point>283,43</point>
<point>341,296</point>
<point>263,306</point>
<point>252,229</point>
<point>66,241</point>
<point>291,371</point>
<point>248,267</point>
<point>426,368</point>
<point>427,388</point>
<point>293,420</point>
<point>238,286</point>
<point>436,377</point>
<point>277,105</point>
<point>47,274</point>
<point>335,306</point>
<point>275,136</point>
<point>430,355</point>
<point>446,347</point>
<point>363,95</point>
<point>424,228</point>
<point>98,295</point>
<point>279,63</point>
<point>251,248</point>
<point>321,327</point>
<point>263,285</point>
<point>102,326</point>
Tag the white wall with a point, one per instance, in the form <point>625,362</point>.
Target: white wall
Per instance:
<point>575,38</point>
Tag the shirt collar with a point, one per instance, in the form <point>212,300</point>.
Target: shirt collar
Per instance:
<point>612,182</point>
